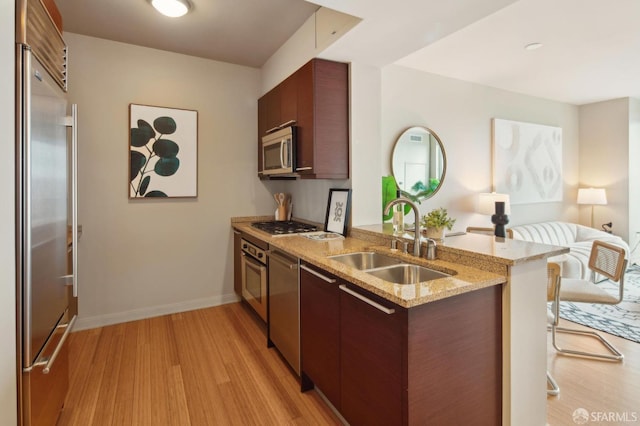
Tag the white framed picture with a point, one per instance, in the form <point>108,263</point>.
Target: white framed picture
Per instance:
<point>163,152</point>
<point>527,161</point>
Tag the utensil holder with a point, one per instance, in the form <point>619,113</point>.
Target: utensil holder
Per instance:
<point>281,213</point>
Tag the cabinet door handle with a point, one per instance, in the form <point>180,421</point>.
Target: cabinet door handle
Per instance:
<point>317,274</point>
<point>366,300</point>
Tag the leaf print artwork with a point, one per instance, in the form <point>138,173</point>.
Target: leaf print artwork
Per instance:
<point>164,151</point>
<point>159,165</point>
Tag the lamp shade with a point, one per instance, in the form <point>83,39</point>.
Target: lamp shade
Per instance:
<point>487,203</point>
<point>592,196</point>
<point>171,8</point>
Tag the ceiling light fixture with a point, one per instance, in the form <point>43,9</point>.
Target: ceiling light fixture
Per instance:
<point>172,8</point>
<point>533,46</point>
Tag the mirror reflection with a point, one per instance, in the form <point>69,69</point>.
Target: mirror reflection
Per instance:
<point>418,162</point>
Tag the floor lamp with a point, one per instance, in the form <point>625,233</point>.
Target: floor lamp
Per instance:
<point>592,196</point>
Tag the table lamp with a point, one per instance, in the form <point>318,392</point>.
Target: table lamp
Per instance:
<point>592,196</point>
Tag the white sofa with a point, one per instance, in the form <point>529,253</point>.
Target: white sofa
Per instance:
<point>577,237</point>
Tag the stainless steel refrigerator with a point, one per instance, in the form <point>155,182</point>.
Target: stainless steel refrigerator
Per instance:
<point>43,200</point>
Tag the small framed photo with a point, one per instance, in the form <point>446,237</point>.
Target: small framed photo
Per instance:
<point>338,211</point>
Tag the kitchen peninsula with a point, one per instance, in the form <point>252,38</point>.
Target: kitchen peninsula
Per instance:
<point>497,285</point>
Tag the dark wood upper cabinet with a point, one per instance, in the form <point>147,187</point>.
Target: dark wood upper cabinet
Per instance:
<point>288,100</point>
<point>316,96</point>
<point>323,120</point>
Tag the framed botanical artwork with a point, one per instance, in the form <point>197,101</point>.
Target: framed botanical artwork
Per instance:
<point>163,152</point>
<point>527,161</point>
<point>338,207</point>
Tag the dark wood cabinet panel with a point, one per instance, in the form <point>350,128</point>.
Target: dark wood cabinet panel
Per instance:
<point>262,127</point>
<point>288,100</point>
<point>435,364</point>
<point>320,334</point>
<point>272,111</point>
<point>316,96</point>
<point>237,269</point>
<point>305,123</point>
<point>323,120</point>
<point>268,117</point>
<point>455,360</point>
<point>371,363</point>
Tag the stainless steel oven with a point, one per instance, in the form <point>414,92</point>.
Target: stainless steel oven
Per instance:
<point>254,277</point>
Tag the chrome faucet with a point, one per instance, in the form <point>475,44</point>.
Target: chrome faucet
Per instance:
<point>416,212</point>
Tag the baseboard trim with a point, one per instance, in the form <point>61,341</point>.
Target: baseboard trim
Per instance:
<point>150,312</point>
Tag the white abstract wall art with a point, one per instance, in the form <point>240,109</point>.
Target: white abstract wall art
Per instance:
<point>527,161</point>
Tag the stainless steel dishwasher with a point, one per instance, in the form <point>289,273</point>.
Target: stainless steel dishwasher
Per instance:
<point>284,311</point>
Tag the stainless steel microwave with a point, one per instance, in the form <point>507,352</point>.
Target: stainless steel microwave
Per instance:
<point>279,152</point>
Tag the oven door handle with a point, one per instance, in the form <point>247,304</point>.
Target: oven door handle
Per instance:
<point>253,264</point>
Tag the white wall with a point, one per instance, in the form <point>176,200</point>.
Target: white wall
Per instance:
<point>460,113</point>
<point>294,53</point>
<point>605,161</point>
<point>366,156</point>
<point>8,400</point>
<point>138,258</point>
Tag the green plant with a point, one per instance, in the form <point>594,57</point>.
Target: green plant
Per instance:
<point>437,218</point>
<point>152,145</point>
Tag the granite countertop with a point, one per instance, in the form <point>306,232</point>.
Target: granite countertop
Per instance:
<point>315,252</point>
<point>463,278</point>
<point>506,251</point>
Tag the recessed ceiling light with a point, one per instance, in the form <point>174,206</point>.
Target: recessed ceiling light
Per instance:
<point>172,8</point>
<point>533,46</point>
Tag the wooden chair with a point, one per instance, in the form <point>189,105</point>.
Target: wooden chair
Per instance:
<point>609,261</point>
<point>553,289</point>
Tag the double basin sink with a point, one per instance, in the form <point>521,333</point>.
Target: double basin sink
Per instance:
<point>388,268</point>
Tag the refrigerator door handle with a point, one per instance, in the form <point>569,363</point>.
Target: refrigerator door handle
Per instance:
<point>48,362</point>
<point>72,122</point>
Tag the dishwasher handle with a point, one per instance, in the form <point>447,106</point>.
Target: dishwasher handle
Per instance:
<point>289,263</point>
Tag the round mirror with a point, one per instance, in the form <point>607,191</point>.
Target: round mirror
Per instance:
<point>418,162</point>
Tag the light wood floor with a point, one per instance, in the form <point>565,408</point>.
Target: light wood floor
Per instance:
<point>596,386</point>
<point>204,367</point>
<point>212,367</point>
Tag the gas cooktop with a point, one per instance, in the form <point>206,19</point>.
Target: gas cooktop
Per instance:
<point>284,227</point>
